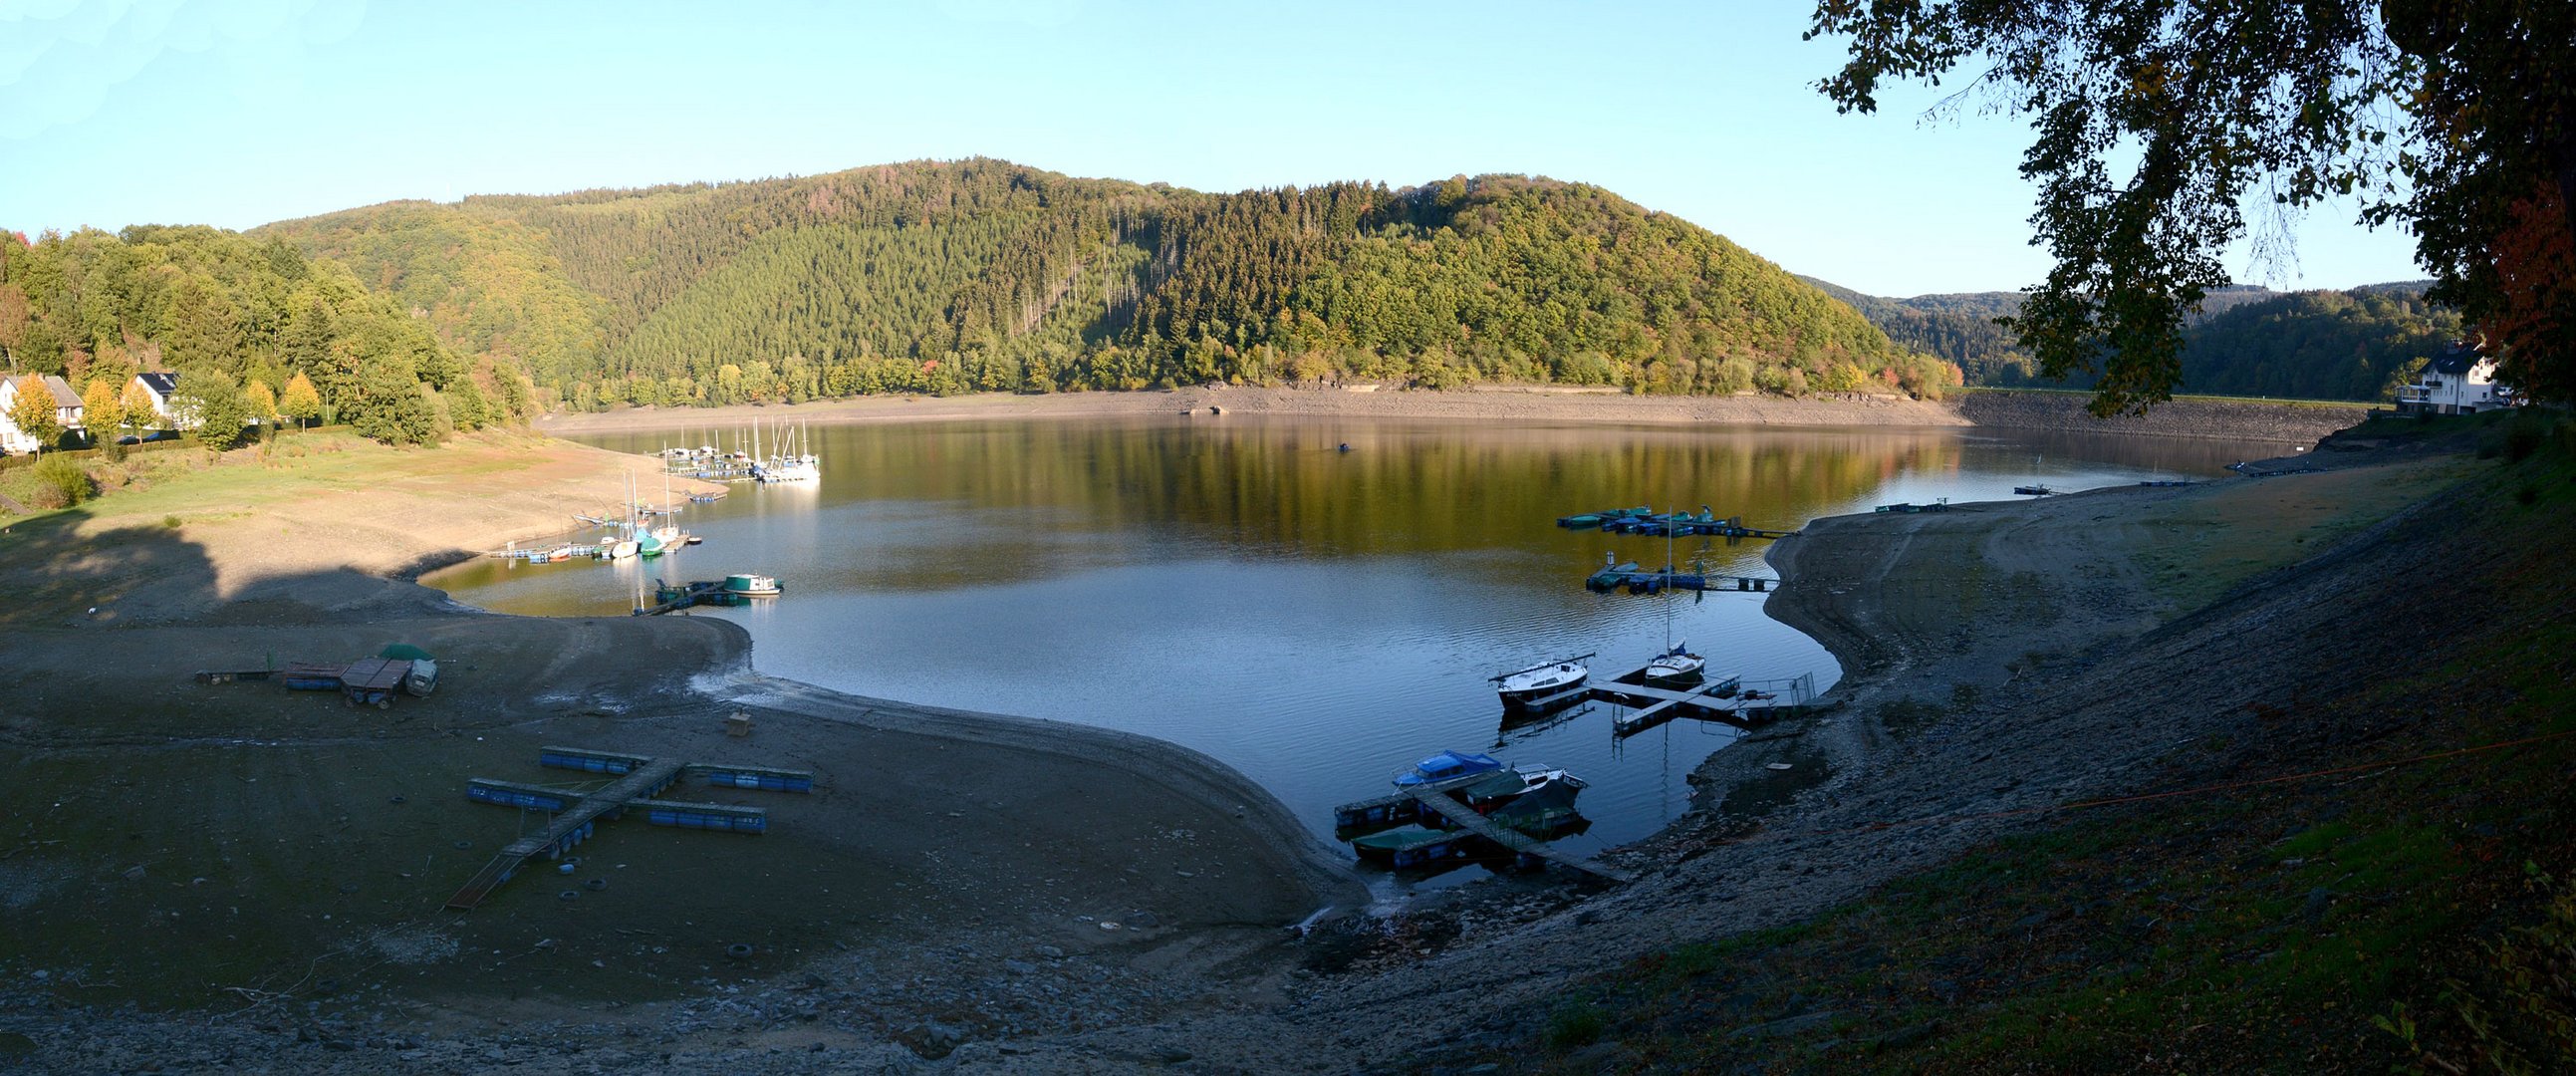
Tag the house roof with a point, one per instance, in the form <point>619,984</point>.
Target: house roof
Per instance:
<point>161,384</point>
<point>62,390</point>
<point>2455,360</point>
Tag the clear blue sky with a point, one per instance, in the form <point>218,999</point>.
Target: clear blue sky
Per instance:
<point>236,114</point>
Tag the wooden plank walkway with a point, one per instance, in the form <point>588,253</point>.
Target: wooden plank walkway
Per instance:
<point>1397,808</point>
<point>1668,704</point>
<point>637,784</point>
<point>1467,819</point>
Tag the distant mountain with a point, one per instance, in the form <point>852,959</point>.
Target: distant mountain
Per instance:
<point>2245,341</point>
<point>1957,328</point>
<point>982,274</point>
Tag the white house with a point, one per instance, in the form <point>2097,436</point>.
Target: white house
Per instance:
<point>67,410</point>
<point>2459,381</point>
<point>161,386</point>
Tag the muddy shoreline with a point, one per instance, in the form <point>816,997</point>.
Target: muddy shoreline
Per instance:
<point>2240,420</point>
<point>959,877</point>
<point>1001,957</point>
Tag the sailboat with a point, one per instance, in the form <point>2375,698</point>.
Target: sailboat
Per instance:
<point>1676,665</point>
<point>790,465</point>
<point>622,548</point>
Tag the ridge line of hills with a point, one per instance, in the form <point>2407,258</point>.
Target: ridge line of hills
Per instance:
<point>983,275</point>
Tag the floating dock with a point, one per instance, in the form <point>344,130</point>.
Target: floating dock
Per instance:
<point>1466,818</point>
<point>703,592</point>
<point>1627,577</point>
<point>1726,701</point>
<point>639,779</point>
<point>1392,810</point>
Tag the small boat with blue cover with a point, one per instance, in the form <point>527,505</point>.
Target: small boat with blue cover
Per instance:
<point>1446,765</point>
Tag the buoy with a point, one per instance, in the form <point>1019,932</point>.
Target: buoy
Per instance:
<point>563,868</point>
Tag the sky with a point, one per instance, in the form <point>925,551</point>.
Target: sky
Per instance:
<point>117,112</point>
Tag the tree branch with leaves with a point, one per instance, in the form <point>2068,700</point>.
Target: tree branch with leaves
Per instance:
<point>2158,123</point>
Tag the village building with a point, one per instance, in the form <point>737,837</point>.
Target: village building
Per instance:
<point>161,386</point>
<point>67,411</point>
<point>2459,381</point>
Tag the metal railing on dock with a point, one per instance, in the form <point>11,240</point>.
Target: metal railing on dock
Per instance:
<point>1730,701</point>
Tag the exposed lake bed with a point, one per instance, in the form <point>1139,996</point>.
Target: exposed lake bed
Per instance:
<point>960,985</point>
<point>1315,618</point>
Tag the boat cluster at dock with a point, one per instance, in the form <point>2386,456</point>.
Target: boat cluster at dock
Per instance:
<point>1453,808</point>
<point>639,530</point>
<point>787,457</point>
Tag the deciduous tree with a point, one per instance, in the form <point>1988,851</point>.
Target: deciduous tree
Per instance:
<point>139,414</point>
<point>2156,122</point>
<point>300,402</point>
<point>34,411</point>
<point>102,411</point>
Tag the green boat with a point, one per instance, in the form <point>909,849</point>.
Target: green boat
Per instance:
<point>1412,847</point>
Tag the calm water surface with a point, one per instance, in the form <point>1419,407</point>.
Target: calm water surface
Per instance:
<point>1317,619</point>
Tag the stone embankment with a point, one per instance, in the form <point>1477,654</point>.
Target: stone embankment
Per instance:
<point>2232,420</point>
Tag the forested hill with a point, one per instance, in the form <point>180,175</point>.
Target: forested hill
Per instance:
<point>2245,341</point>
<point>984,275</point>
<point>254,328</point>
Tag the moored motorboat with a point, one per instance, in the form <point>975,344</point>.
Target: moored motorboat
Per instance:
<point>1510,784</point>
<point>1412,846</point>
<point>1447,765</point>
<point>1675,666</point>
<point>1541,685</point>
<point>753,586</point>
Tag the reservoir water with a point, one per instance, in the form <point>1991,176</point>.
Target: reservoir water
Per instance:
<point>1314,617</point>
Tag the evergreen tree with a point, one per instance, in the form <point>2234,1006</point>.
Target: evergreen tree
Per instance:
<point>388,404</point>
<point>222,413</point>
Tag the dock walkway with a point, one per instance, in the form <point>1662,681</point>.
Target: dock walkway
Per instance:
<point>1729,701</point>
<point>1668,703</point>
<point>1467,819</point>
<point>1396,808</point>
<point>567,828</point>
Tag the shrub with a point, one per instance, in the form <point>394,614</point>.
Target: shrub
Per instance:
<point>2521,441</point>
<point>64,475</point>
<point>1579,1024</point>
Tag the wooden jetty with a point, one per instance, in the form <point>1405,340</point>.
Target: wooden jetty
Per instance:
<point>1725,701</point>
<point>1466,818</point>
<point>1394,809</point>
<point>703,592</point>
<point>639,779</point>
<point>1686,525</point>
<point>1942,505</point>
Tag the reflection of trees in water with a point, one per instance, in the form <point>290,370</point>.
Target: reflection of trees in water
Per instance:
<point>1019,498</point>
<point>1404,489</point>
